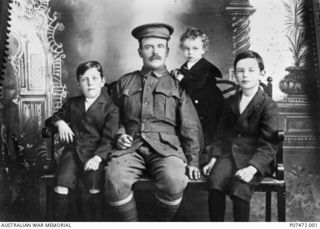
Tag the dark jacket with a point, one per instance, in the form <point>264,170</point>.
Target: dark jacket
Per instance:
<point>250,137</point>
<point>200,84</point>
<point>155,109</point>
<point>94,129</point>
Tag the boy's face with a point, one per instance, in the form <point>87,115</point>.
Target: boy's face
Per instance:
<point>193,49</point>
<point>90,83</point>
<point>248,73</point>
<point>154,52</point>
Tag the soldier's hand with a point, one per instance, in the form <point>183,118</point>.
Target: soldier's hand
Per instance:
<point>65,132</point>
<point>124,141</point>
<point>246,174</point>
<point>193,172</point>
<point>206,170</point>
<point>92,163</point>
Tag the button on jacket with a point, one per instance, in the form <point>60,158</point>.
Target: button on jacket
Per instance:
<point>249,137</point>
<point>94,129</point>
<point>155,110</point>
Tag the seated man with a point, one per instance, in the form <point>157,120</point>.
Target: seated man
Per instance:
<point>161,131</point>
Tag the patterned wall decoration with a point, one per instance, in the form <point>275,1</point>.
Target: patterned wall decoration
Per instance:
<point>37,57</point>
<point>33,90</point>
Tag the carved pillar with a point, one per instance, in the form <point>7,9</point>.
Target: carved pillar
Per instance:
<point>240,11</point>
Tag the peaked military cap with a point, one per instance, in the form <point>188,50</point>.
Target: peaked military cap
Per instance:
<point>160,30</point>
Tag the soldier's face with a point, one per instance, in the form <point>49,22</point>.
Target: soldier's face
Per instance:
<point>90,83</point>
<point>154,52</point>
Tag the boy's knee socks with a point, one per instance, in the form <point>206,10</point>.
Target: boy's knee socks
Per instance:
<point>60,207</point>
<point>97,206</point>
<point>241,209</point>
<point>217,205</point>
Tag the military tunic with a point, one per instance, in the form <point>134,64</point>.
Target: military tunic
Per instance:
<point>164,124</point>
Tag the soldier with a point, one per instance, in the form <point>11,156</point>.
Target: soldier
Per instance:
<point>161,133</point>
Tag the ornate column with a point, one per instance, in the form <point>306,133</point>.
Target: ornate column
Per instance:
<point>240,11</point>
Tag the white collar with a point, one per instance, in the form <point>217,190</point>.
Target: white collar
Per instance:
<point>191,64</point>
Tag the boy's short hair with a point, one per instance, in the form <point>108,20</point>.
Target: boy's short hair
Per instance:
<point>193,33</point>
<point>83,67</point>
<point>249,54</point>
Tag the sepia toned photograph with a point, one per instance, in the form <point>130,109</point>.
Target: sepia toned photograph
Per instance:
<point>160,111</point>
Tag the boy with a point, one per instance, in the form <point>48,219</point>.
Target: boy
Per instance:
<point>198,77</point>
<point>245,144</point>
<point>87,124</point>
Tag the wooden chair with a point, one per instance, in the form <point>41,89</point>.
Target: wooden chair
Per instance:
<point>268,185</point>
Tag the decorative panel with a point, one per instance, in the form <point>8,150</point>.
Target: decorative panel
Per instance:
<point>36,59</point>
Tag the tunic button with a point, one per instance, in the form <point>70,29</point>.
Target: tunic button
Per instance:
<point>196,101</point>
<point>146,103</point>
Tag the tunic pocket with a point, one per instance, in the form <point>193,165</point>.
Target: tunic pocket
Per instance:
<point>131,100</point>
<point>166,103</point>
<point>171,140</point>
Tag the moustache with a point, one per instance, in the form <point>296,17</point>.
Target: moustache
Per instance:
<point>155,57</point>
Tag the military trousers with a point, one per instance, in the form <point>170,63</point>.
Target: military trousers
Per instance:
<point>168,173</point>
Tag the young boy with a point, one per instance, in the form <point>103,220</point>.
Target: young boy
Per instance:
<point>87,124</point>
<point>198,77</point>
<point>245,143</point>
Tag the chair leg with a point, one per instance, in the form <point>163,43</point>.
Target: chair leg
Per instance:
<point>281,196</point>
<point>268,206</point>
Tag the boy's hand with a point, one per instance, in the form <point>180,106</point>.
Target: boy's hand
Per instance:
<point>246,174</point>
<point>124,141</point>
<point>92,163</point>
<point>177,74</point>
<point>208,167</point>
<point>193,172</point>
<point>65,132</point>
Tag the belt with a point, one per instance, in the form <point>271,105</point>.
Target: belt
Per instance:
<point>151,128</point>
